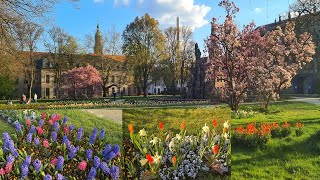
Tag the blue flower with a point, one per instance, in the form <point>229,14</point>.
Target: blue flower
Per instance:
<point>60,177</point>
<point>37,165</point>
<point>65,120</point>
<point>56,126</point>
<point>72,152</point>
<point>24,170</point>
<point>71,127</point>
<point>29,137</point>
<point>18,126</point>
<point>105,168</point>
<point>102,134</point>
<point>96,162</point>
<point>80,134</point>
<point>114,172</point>
<point>116,149</point>
<point>48,177</point>
<point>93,136</point>
<point>92,173</point>
<point>54,136</point>
<point>10,159</point>
<point>32,129</point>
<point>60,161</point>
<point>41,122</point>
<point>89,154</point>
<point>36,141</point>
<point>66,141</point>
<point>27,160</point>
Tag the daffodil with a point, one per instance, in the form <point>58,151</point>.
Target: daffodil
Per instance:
<point>143,161</point>
<point>171,145</point>
<point>205,128</point>
<point>157,158</point>
<point>155,140</point>
<point>226,124</point>
<point>142,132</point>
<point>178,136</point>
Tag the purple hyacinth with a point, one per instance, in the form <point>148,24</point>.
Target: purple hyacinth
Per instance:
<point>96,162</point>
<point>92,173</point>
<point>106,150</point>
<point>56,126</point>
<point>102,134</point>
<point>29,137</point>
<point>37,165</point>
<point>89,154</point>
<point>32,129</point>
<point>27,161</point>
<point>80,134</point>
<point>65,120</point>
<point>10,159</point>
<point>66,141</point>
<point>6,141</point>
<point>24,170</point>
<point>18,126</point>
<point>114,172</point>
<point>72,152</point>
<point>36,141</point>
<point>60,177</point>
<point>48,177</point>
<point>54,136</point>
<point>116,149</point>
<point>105,168</point>
<point>71,127</point>
<point>41,122</point>
<point>93,136</point>
<point>60,161</point>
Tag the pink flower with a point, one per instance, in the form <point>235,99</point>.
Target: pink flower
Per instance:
<point>83,165</point>
<point>2,172</point>
<point>39,130</point>
<point>54,161</point>
<point>8,168</point>
<point>57,117</point>
<point>66,129</point>
<point>45,143</point>
<point>43,115</point>
<point>51,122</point>
<point>28,122</point>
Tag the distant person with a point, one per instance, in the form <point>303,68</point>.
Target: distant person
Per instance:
<point>114,95</point>
<point>35,97</point>
<point>23,99</point>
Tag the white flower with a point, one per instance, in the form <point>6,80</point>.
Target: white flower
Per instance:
<point>178,136</point>
<point>142,132</point>
<point>171,145</point>
<point>155,140</point>
<point>157,158</point>
<point>225,135</point>
<point>226,124</point>
<point>143,162</point>
<point>205,128</point>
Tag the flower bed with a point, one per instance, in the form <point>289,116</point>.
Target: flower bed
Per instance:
<point>49,148</point>
<point>164,155</point>
<point>242,114</point>
<point>279,130</point>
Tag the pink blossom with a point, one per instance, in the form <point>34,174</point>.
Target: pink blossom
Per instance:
<point>8,168</point>
<point>43,115</point>
<point>28,122</point>
<point>54,161</point>
<point>66,129</point>
<point>2,172</point>
<point>45,143</point>
<point>83,165</point>
<point>57,118</point>
<point>51,122</point>
<point>39,130</point>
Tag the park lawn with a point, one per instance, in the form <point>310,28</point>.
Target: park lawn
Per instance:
<point>5,127</point>
<point>79,118</point>
<point>287,158</point>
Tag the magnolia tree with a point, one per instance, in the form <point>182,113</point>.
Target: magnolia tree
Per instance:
<point>81,82</point>
<point>249,60</point>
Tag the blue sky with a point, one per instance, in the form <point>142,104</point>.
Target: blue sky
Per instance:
<point>195,13</point>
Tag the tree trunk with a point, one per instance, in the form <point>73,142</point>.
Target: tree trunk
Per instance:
<point>104,91</point>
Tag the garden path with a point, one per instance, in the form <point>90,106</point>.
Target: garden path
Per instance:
<point>112,114</point>
<point>307,100</point>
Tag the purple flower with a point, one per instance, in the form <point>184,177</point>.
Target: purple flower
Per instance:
<point>72,152</point>
<point>24,170</point>
<point>48,177</point>
<point>92,173</point>
<point>54,136</point>
<point>10,159</point>
<point>89,154</point>
<point>18,126</point>
<point>65,119</point>
<point>32,129</point>
<point>27,161</point>
<point>60,161</point>
<point>80,134</point>
<point>114,172</point>
<point>29,137</point>
<point>102,133</point>
<point>66,141</point>
<point>96,162</point>
<point>56,126</point>
<point>105,168</point>
<point>60,177</point>
<point>116,149</point>
<point>6,141</point>
<point>71,127</point>
<point>93,136</point>
<point>37,165</point>
<point>41,122</point>
<point>36,141</point>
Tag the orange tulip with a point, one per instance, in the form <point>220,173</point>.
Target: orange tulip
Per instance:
<point>161,125</point>
<point>215,149</point>
<point>174,160</point>
<point>130,128</point>
<point>215,123</point>
<point>182,125</point>
<point>149,158</point>
<point>224,130</point>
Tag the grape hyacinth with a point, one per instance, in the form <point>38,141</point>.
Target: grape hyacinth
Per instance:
<point>96,162</point>
<point>72,152</point>
<point>93,136</point>
<point>66,141</point>
<point>60,177</point>
<point>24,170</point>
<point>114,172</point>
<point>29,137</point>
<point>41,122</point>
<point>105,168</point>
<point>37,165</point>
<point>54,136</point>
<point>36,141</point>
<point>71,127</point>
<point>18,126</point>
<point>65,120</point>
<point>80,134</point>
<point>89,154</point>
<point>56,126</point>
<point>92,173</point>
<point>10,159</point>
<point>102,134</point>
<point>60,162</point>
<point>27,161</point>
<point>32,129</point>
<point>48,177</point>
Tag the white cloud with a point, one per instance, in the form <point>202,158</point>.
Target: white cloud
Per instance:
<point>98,1</point>
<point>258,10</point>
<point>121,2</point>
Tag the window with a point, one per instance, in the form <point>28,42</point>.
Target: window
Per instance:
<point>48,92</point>
<point>47,78</point>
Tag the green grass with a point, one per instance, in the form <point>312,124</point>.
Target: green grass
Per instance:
<point>287,158</point>
<point>5,127</point>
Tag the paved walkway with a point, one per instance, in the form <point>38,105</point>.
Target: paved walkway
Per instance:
<point>111,114</point>
<point>307,100</point>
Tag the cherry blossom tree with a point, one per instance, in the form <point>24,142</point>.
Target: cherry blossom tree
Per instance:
<point>82,82</point>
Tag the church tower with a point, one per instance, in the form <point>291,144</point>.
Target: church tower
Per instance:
<point>98,42</point>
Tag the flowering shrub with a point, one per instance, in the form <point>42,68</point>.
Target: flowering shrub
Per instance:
<point>299,129</point>
<point>253,135</point>
<point>280,130</point>
<point>49,148</point>
<point>163,155</point>
<point>242,114</point>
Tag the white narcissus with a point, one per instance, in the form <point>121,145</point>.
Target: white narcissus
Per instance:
<point>142,132</point>
<point>143,161</point>
<point>205,129</point>
<point>157,158</point>
<point>155,140</point>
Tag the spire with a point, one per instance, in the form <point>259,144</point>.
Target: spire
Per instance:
<point>98,43</point>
